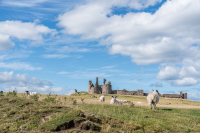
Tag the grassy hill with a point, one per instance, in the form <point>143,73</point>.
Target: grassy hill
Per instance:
<point>57,113</point>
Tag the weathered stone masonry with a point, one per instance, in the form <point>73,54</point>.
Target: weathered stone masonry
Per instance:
<point>107,89</point>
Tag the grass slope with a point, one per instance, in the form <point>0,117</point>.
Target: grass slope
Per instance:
<point>19,113</point>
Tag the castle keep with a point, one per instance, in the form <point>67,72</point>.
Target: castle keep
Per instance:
<point>100,89</point>
<point>107,89</point>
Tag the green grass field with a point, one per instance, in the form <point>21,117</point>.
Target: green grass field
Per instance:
<point>19,113</point>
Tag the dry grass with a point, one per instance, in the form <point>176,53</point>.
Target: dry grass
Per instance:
<point>137,100</point>
<point>172,115</point>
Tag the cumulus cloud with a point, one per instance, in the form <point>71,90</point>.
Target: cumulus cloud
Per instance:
<point>169,73</point>
<point>186,82</point>
<point>23,82</point>
<point>18,66</point>
<point>6,77</point>
<point>5,42</point>
<point>167,36</point>
<point>193,96</point>
<point>185,75</point>
<point>22,30</point>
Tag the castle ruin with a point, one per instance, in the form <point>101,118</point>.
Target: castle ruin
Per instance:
<point>107,89</point>
<point>100,89</point>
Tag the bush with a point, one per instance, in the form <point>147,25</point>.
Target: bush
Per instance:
<point>13,93</point>
<point>74,102</point>
<point>34,97</point>
<point>50,98</point>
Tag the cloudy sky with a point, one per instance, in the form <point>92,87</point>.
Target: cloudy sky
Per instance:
<point>49,46</point>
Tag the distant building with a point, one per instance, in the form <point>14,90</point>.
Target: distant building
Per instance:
<point>107,89</point>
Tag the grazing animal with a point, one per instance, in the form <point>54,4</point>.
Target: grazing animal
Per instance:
<point>119,101</point>
<point>113,100</point>
<point>31,93</point>
<point>102,98</point>
<point>153,98</point>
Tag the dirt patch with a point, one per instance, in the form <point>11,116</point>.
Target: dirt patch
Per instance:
<point>5,99</point>
<point>44,119</point>
<point>12,101</point>
<point>21,106</point>
<point>77,122</point>
<point>87,125</point>
<point>66,125</point>
<point>94,119</point>
<point>57,107</point>
<point>28,103</point>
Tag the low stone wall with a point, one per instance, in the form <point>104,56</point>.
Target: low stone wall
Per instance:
<point>172,96</point>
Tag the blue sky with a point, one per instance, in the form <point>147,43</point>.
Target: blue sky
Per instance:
<point>48,46</point>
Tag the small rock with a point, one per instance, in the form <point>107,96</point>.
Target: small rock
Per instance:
<point>82,115</point>
<point>85,125</point>
<point>90,114</point>
<point>5,115</point>
<point>21,127</point>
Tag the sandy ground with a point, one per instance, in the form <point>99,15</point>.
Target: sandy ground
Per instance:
<point>138,103</point>
<point>162,103</point>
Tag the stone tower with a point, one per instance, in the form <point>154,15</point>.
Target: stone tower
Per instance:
<point>106,89</point>
<point>94,89</point>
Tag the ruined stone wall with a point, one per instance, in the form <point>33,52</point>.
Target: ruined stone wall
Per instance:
<point>120,91</point>
<point>106,89</point>
<point>185,96</point>
<point>140,93</point>
<point>114,92</point>
<point>172,95</point>
<point>130,93</point>
<point>92,90</point>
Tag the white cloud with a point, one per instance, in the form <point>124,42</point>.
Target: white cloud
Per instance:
<point>157,84</point>
<point>167,36</point>
<point>18,66</point>
<point>58,56</point>
<point>193,96</point>
<point>108,67</point>
<point>5,42</point>
<point>16,53</point>
<point>24,30</point>
<point>67,49</point>
<point>185,75</point>
<point>24,82</point>
<point>21,31</point>
<point>186,82</point>
<point>139,4</point>
<point>6,77</point>
<point>63,72</point>
<point>86,74</point>
<point>169,73</point>
<point>22,3</point>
